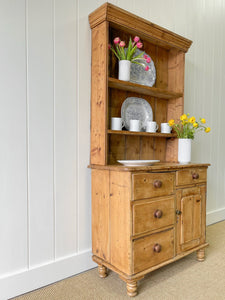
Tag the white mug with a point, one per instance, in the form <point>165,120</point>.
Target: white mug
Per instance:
<point>165,128</point>
<point>152,126</point>
<point>135,125</point>
<point>117,123</point>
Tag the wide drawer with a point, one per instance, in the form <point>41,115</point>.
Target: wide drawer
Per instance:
<point>153,250</point>
<point>148,185</point>
<point>150,215</point>
<point>191,176</point>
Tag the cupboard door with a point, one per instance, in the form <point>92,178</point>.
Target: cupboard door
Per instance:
<point>190,218</point>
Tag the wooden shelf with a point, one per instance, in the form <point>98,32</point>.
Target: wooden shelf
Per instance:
<point>141,89</point>
<point>141,133</point>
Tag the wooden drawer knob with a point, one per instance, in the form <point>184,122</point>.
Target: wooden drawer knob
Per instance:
<point>157,248</point>
<point>195,175</point>
<point>157,183</point>
<point>158,213</point>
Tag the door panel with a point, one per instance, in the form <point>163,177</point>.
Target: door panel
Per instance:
<point>190,220</point>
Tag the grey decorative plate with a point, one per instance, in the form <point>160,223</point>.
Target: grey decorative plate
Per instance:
<point>138,73</point>
<point>134,108</point>
<point>136,163</point>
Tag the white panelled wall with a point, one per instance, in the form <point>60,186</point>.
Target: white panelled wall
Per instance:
<point>45,68</point>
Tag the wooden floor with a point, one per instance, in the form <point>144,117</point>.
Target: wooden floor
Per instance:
<point>186,279</point>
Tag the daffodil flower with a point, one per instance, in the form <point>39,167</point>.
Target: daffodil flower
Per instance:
<point>192,120</point>
<point>187,126</point>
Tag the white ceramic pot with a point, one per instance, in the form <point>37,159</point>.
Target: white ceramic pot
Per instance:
<point>124,70</point>
<point>184,151</point>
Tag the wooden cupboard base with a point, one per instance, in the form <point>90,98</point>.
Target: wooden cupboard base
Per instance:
<point>201,255</point>
<point>102,271</point>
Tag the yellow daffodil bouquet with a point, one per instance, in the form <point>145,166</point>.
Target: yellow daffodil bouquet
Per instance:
<point>188,126</point>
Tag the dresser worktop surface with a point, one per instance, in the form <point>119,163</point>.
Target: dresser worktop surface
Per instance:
<point>155,167</point>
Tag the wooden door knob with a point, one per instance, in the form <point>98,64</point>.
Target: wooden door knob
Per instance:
<point>195,175</point>
<point>157,183</point>
<point>158,213</point>
<point>157,248</point>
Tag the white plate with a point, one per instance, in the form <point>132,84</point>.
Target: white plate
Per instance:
<point>134,108</point>
<point>137,163</point>
<point>138,73</point>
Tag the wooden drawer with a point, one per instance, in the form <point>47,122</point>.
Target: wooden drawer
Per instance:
<point>148,185</point>
<point>150,215</point>
<point>145,249</point>
<point>191,176</point>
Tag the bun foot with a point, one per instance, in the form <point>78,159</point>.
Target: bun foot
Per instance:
<point>102,271</point>
<point>131,288</point>
<point>201,255</point>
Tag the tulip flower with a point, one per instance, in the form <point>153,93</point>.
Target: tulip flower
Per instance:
<point>122,44</point>
<point>116,40</point>
<point>139,45</point>
<point>129,53</point>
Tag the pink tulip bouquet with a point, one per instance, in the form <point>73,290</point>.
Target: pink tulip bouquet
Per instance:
<point>129,53</point>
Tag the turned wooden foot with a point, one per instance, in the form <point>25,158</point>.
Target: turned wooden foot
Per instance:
<point>201,255</point>
<point>102,271</point>
<point>131,288</point>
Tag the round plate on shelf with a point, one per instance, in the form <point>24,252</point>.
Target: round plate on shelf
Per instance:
<point>134,108</point>
<point>138,73</point>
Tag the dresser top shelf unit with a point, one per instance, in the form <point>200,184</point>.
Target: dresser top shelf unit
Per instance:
<point>167,51</point>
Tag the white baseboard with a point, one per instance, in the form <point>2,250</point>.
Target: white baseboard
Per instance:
<point>28,280</point>
<point>215,216</point>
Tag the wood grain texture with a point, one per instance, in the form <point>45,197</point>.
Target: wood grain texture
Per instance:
<point>99,94</point>
<point>144,255</point>
<point>121,222</point>
<point>176,63</point>
<point>144,218</point>
<point>124,19</point>
<point>100,214</point>
<point>191,222</point>
<point>184,177</point>
<point>163,93</point>
<point>144,185</point>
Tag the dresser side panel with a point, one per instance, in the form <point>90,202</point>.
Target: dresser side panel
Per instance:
<point>121,222</point>
<point>100,214</point>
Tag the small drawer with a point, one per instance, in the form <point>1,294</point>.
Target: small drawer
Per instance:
<point>148,185</point>
<point>150,215</point>
<point>190,176</point>
<point>153,250</point>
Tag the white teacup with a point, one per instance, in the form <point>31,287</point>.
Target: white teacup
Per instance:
<point>135,125</point>
<point>165,128</point>
<point>117,123</point>
<point>152,126</point>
